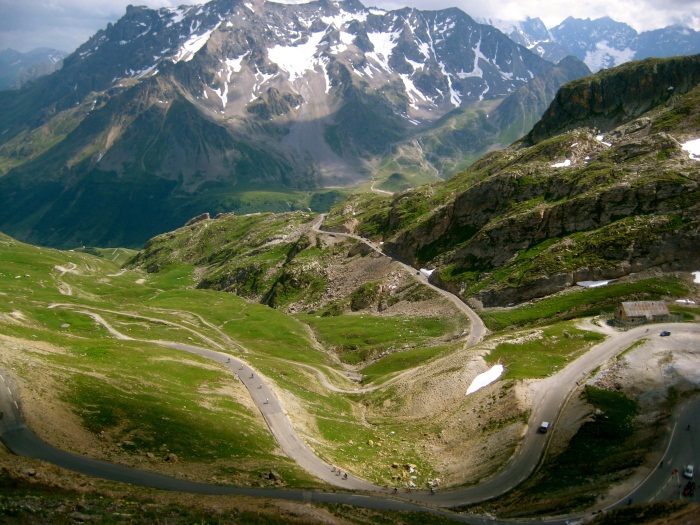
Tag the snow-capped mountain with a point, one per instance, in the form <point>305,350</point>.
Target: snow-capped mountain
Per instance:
<point>440,58</point>
<point>600,43</point>
<point>18,68</point>
<point>189,103</point>
<point>533,34</point>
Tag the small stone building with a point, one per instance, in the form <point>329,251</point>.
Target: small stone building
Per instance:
<point>640,312</point>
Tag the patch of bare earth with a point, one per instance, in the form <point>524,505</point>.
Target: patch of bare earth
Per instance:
<point>646,373</point>
<point>467,437</point>
<point>353,264</point>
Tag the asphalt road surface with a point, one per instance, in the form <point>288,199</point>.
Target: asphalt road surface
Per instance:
<point>667,481</point>
<point>549,399</point>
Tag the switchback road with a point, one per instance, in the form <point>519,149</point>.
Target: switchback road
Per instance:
<point>478,329</point>
<point>550,399</point>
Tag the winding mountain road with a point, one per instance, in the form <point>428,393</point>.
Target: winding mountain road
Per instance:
<point>22,441</point>
<point>550,397</point>
<point>263,396</point>
<point>478,328</point>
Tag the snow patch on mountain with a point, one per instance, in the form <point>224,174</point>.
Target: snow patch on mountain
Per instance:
<point>235,65</point>
<point>223,94</point>
<point>564,164</point>
<point>342,18</point>
<point>384,44</point>
<point>231,66</point>
<point>604,55</point>
<point>178,14</point>
<point>193,45</point>
<point>295,60</point>
<point>485,379</point>
<point>455,96</point>
<point>692,147</point>
<point>412,90</point>
<point>476,70</point>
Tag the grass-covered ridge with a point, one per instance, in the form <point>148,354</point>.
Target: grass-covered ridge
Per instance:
<point>140,401</point>
<point>528,221</point>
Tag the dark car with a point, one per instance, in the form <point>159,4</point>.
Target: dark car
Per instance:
<point>689,489</point>
<point>665,333</point>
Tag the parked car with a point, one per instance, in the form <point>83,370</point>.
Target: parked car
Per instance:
<point>689,471</point>
<point>665,333</point>
<point>689,489</point>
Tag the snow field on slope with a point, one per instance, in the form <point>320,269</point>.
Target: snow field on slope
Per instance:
<point>692,147</point>
<point>485,379</point>
<point>297,59</point>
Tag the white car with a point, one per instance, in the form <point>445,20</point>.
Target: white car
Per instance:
<point>688,471</point>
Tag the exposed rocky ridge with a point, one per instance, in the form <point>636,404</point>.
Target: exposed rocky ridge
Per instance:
<point>531,221</point>
<point>612,97</point>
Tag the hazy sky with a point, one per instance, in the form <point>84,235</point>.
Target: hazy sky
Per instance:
<point>65,24</point>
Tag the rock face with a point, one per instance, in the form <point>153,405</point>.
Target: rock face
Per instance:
<point>580,205</point>
<point>611,98</point>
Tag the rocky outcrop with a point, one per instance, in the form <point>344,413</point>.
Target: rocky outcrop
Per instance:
<point>613,97</point>
<point>274,103</point>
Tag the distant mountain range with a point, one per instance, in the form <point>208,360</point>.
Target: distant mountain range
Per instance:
<point>234,105</point>
<point>600,43</point>
<point>190,107</point>
<point>16,69</point>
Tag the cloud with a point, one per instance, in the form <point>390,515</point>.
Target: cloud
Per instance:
<point>643,15</point>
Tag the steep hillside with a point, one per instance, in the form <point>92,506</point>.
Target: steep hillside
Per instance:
<point>192,109</point>
<point>576,206</point>
<point>616,96</point>
<point>282,261</point>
